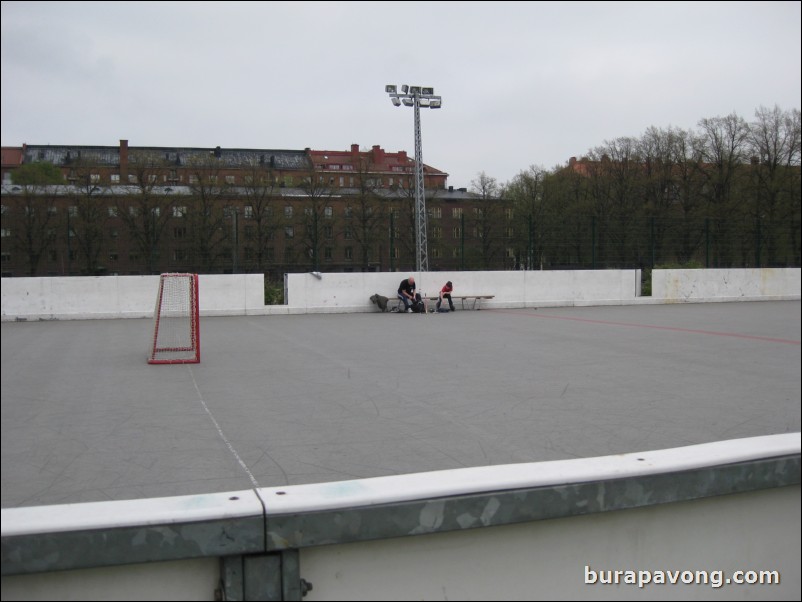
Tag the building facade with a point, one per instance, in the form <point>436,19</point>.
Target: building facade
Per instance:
<point>142,210</point>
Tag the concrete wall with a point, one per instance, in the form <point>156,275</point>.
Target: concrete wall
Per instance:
<point>677,286</point>
<point>341,292</point>
<point>243,294</point>
<point>81,297</point>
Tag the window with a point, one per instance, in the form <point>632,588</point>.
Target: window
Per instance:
<point>249,254</point>
<point>229,179</point>
<point>249,230</point>
<point>5,233</point>
<point>133,211</point>
<point>213,179</point>
<point>94,178</point>
<point>270,253</point>
<point>328,212</point>
<point>455,253</point>
<point>456,212</point>
<point>152,178</point>
<point>349,253</point>
<point>180,232</point>
<point>437,212</point>
<point>72,210</point>
<point>115,178</point>
<point>509,213</point>
<point>132,179</point>
<point>288,211</point>
<point>327,253</point>
<point>113,257</point>
<point>457,232</point>
<point>193,178</point>
<point>349,234</point>
<point>510,231</point>
<point>247,212</point>
<point>308,211</point>
<point>328,232</point>
<point>113,233</point>
<point>52,210</point>
<point>437,232</point>
<point>436,253</point>
<point>349,212</point>
<point>179,211</point>
<point>478,212</point>
<point>6,257</point>
<point>289,232</point>
<point>342,181</point>
<point>179,255</point>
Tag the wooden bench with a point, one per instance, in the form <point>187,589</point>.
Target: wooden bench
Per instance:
<point>395,302</point>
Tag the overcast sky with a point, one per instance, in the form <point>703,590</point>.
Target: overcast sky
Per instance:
<point>522,83</point>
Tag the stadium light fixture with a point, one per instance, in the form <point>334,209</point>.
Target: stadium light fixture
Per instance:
<point>417,97</point>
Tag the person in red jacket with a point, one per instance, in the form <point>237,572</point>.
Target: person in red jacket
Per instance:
<point>445,293</point>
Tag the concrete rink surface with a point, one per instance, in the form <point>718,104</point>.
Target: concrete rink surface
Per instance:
<point>298,399</point>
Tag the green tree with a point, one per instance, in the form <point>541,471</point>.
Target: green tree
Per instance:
<point>37,174</point>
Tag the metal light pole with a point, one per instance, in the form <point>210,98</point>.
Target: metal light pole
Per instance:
<point>417,97</point>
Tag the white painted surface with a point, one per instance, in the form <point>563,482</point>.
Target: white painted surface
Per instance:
<point>129,513</point>
<point>381,490</point>
<point>178,580</point>
<point>243,294</point>
<point>545,560</point>
<point>675,286</point>
<point>81,298</point>
<point>462,481</point>
<point>352,291</point>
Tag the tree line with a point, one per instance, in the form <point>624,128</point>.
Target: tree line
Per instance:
<point>726,194</point>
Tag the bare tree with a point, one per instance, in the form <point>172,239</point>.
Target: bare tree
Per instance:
<point>774,144</point>
<point>205,215</point>
<point>486,218</point>
<point>317,213</point>
<point>366,214</point>
<point>30,220</point>
<point>148,212</point>
<point>261,222</point>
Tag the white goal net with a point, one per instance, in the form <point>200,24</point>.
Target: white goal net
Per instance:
<point>176,324</point>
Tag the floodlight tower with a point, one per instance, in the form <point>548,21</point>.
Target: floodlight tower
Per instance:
<point>417,97</point>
